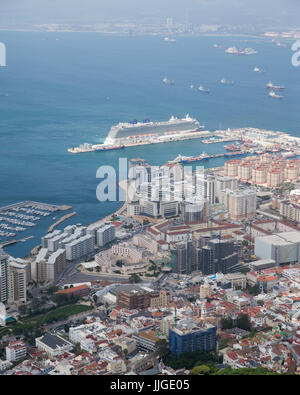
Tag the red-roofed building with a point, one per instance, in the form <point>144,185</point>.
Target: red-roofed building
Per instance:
<point>80,290</point>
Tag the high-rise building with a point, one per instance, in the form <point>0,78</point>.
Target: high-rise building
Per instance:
<point>3,277</point>
<point>206,187</point>
<point>17,283</point>
<point>240,204</point>
<point>105,234</point>
<point>55,264</point>
<point>186,257</point>
<point>194,210</point>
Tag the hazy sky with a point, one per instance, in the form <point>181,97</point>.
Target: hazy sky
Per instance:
<point>271,12</point>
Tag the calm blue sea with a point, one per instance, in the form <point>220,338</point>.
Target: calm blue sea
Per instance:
<point>58,84</point>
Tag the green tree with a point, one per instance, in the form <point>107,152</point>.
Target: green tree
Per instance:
<point>60,299</point>
<point>243,322</point>
<point>227,323</point>
<point>162,347</point>
<point>134,278</point>
<point>200,370</point>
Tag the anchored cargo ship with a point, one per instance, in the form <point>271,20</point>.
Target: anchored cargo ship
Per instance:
<point>236,51</point>
<point>233,147</point>
<point>189,159</point>
<point>275,87</point>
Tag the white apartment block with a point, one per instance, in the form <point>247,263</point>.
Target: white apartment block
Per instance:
<point>15,351</point>
<point>206,187</point>
<point>48,265</point>
<point>79,248</point>
<point>124,250</point>
<point>56,263</point>
<point>105,234</point>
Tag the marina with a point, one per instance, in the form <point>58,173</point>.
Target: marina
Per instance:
<point>20,217</point>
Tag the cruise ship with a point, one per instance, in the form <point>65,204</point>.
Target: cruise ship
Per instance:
<point>147,130</point>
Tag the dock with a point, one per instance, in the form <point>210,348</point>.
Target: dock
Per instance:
<point>62,219</point>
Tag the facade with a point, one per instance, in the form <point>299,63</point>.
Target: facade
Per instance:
<point>80,248</point>
<point>105,234</point>
<point>194,210</point>
<point>283,248</point>
<point>146,340</point>
<point>15,351</point>
<point>187,336</point>
<point>17,283</point>
<point>81,290</point>
<point>47,265</point>
<point>290,211</point>
<point>133,300</point>
<point>125,250</point>
<point>3,277</point>
<point>206,187</point>
<point>145,241</point>
<point>205,291</point>
<point>53,345</point>
<point>55,264</point>
<point>240,204</point>
<point>160,299</point>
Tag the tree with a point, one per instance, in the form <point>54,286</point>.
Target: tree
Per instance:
<point>200,370</point>
<point>162,347</point>
<point>227,323</point>
<point>245,270</point>
<point>60,299</point>
<point>243,322</point>
<point>134,278</point>
<point>52,289</point>
<point>254,290</point>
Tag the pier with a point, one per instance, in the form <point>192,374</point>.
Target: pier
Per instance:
<point>62,219</point>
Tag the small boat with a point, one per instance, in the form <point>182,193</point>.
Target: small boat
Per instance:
<point>202,89</point>
<point>273,95</point>
<point>167,81</point>
<point>226,82</point>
